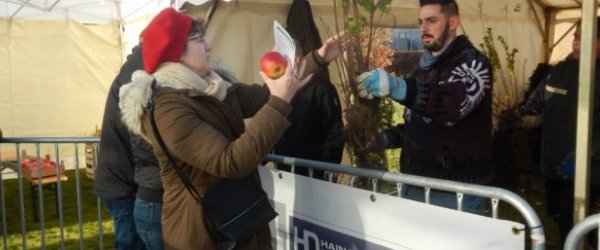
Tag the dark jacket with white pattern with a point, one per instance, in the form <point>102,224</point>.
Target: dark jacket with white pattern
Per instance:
<point>448,117</point>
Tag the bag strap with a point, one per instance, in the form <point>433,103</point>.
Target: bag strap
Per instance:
<point>186,181</point>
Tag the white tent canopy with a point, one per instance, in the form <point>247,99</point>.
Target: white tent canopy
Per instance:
<point>58,57</point>
<point>84,11</point>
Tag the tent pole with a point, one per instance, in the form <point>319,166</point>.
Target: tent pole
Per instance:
<point>211,11</point>
<point>563,36</point>
<point>550,15</point>
<point>541,4</point>
<point>120,27</point>
<point>53,5</point>
<point>585,108</point>
<point>543,32</point>
<point>25,3</point>
<point>537,18</point>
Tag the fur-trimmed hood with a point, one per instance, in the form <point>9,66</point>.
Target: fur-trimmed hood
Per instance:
<point>134,96</point>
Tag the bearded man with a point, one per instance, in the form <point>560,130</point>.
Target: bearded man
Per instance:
<point>447,132</point>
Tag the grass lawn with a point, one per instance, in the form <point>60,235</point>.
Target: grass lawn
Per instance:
<point>71,233</point>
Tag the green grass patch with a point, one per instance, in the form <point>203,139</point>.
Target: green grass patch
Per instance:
<point>73,237</point>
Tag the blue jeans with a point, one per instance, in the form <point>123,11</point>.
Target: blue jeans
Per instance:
<point>470,203</point>
<point>147,220</point>
<point>126,237</point>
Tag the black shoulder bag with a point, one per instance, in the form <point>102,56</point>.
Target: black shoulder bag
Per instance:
<point>234,210</point>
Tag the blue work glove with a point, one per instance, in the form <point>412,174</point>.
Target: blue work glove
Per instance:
<point>379,83</point>
<point>566,169</point>
<point>384,139</point>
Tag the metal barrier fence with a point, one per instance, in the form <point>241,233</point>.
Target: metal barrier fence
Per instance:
<point>580,229</point>
<point>495,195</point>
<point>40,181</point>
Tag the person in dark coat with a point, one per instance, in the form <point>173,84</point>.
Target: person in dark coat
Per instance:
<point>316,118</point>
<point>114,175</point>
<point>447,132</point>
<point>127,177</point>
<point>316,128</point>
<point>556,99</point>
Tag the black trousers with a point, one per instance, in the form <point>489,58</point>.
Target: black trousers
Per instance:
<point>559,204</point>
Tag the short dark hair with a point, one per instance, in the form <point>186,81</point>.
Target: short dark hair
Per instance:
<point>449,7</point>
<point>597,26</point>
<point>198,27</point>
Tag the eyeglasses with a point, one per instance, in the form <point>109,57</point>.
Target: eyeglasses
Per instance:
<point>198,39</point>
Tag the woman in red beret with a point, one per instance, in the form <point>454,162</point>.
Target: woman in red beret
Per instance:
<point>199,111</point>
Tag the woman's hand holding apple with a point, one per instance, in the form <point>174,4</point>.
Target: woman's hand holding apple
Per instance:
<point>286,86</point>
<point>273,64</point>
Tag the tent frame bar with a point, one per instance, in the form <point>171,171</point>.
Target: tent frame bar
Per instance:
<point>23,4</point>
<point>31,5</point>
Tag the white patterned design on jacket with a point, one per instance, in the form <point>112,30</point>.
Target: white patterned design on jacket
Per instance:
<point>475,77</point>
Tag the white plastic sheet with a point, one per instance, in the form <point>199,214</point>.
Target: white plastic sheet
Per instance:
<point>315,214</point>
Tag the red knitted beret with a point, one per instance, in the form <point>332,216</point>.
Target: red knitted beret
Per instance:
<point>164,38</point>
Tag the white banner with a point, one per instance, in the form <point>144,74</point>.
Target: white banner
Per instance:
<point>318,215</point>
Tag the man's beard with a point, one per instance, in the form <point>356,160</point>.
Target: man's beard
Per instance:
<point>439,43</point>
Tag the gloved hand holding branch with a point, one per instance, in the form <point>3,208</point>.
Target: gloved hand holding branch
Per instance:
<point>379,83</point>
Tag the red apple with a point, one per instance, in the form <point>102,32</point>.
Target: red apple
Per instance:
<point>273,64</point>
